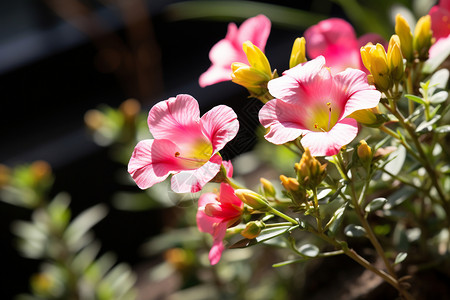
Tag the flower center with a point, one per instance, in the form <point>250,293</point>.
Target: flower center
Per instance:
<point>196,155</point>
<point>324,117</point>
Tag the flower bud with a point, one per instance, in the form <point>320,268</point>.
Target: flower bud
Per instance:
<point>252,229</point>
<point>256,58</point>
<point>403,31</point>
<point>5,175</point>
<point>255,76</point>
<point>310,172</point>
<point>252,199</point>
<point>289,183</point>
<point>395,59</point>
<point>364,153</point>
<point>267,188</point>
<point>370,117</point>
<point>375,60</point>
<point>298,52</point>
<point>423,37</point>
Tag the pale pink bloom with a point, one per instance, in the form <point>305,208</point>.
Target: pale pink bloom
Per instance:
<point>215,214</point>
<point>440,24</point>
<point>229,50</point>
<point>313,103</point>
<point>184,144</point>
<point>335,39</point>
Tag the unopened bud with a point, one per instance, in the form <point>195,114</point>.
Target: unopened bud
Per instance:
<point>252,229</point>
<point>395,59</point>
<point>310,172</point>
<point>423,37</point>
<point>364,153</point>
<point>298,52</point>
<point>375,60</point>
<point>130,108</point>
<point>256,58</point>
<point>40,170</point>
<point>252,199</point>
<point>403,31</point>
<point>370,117</point>
<point>5,175</point>
<point>267,188</point>
<point>289,183</point>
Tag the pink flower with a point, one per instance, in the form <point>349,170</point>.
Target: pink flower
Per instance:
<point>336,40</point>
<point>229,50</point>
<point>440,24</point>
<point>440,19</point>
<point>215,214</point>
<point>184,144</point>
<point>313,103</point>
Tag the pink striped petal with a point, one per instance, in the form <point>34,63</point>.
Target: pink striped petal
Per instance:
<point>152,161</point>
<point>352,92</point>
<point>217,248</point>
<point>220,125</point>
<point>256,30</point>
<point>176,119</point>
<point>192,181</point>
<point>283,121</point>
<point>329,143</point>
<point>305,82</point>
<point>228,167</point>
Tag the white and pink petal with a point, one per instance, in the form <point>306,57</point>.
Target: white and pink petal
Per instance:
<point>220,125</point>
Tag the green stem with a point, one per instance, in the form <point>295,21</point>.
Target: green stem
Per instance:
<point>316,207</point>
<point>367,265</point>
<point>370,234</point>
<point>281,215</point>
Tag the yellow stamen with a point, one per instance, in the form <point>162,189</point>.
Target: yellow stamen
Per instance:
<point>177,155</point>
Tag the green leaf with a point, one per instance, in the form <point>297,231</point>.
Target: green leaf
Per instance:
<point>426,126</point>
<point>439,97</point>
<point>433,63</point>
<point>399,196</point>
<point>353,230</point>
<point>336,220</point>
<point>415,99</point>
<point>309,250</point>
<point>375,204</point>
<point>394,166</point>
<point>401,256</point>
<point>265,235</point>
<point>80,226</point>
<point>442,129</point>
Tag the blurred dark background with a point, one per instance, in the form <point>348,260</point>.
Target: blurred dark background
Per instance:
<point>58,59</point>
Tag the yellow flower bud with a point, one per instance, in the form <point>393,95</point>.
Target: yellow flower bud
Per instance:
<point>252,229</point>
<point>255,76</point>
<point>252,199</point>
<point>423,37</point>
<point>395,59</point>
<point>289,183</point>
<point>375,60</point>
<point>310,172</point>
<point>256,58</point>
<point>370,117</point>
<point>403,31</point>
<point>298,52</point>
<point>364,153</point>
<point>267,187</point>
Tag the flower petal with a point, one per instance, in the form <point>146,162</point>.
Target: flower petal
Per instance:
<point>440,19</point>
<point>152,161</point>
<point>192,181</point>
<point>220,125</point>
<point>217,248</point>
<point>227,196</point>
<point>228,167</point>
<point>329,143</point>
<point>352,92</point>
<point>304,83</point>
<point>176,119</point>
<point>256,30</point>
<point>283,121</point>
<point>335,39</point>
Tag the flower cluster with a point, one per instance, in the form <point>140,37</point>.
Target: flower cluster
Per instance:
<point>337,86</point>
